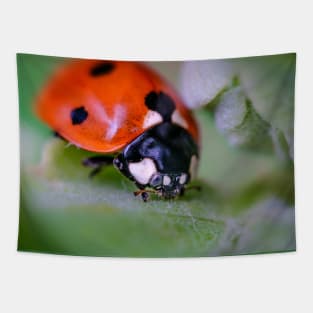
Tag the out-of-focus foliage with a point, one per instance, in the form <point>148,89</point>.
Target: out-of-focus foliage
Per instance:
<point>252,99</point>
<point>202,81</point>
<point>246,204</point>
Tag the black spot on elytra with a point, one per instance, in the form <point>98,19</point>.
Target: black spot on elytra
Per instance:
<point>78,115</point>
<point>161,103</point>
<point>102,69</point>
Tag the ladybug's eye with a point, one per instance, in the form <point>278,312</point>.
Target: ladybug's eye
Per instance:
<point>156,180</point>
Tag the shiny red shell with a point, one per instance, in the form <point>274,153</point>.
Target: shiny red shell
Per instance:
<point>115,102</point>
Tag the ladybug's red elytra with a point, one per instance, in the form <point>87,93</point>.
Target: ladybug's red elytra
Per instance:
<point>128,113</point>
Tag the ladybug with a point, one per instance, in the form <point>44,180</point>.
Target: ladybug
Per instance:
<point>131,116</point>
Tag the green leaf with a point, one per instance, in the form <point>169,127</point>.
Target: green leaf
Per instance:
<point>254,110</point>
<point>73,214</point>
<point>236,118</point>
<point>245,206</point>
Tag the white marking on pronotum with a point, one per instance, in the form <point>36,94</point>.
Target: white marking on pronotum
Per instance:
<point>166,180</point>
<point>143,170</point>
<point>193,167</point>
<point>152,118</point>
<point>114,123</point>
<point>178,119</point>
<point>183,179</point>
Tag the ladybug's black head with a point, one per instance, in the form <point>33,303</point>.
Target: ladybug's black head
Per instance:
<point>162,158</point>
<point>169,185</point>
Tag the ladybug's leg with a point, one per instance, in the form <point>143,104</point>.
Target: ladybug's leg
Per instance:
<point>57,135</point>
<point>144,193</point>
<point>97,162</point>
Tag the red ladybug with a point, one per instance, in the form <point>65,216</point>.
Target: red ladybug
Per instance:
<point>129,114</point>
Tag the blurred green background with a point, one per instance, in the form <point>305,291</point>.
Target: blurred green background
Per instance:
<point>246,205</point>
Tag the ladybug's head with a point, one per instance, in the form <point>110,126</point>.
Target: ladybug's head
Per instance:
<point>146,175</point>
<point>169,185</point>
<point>163,158</point>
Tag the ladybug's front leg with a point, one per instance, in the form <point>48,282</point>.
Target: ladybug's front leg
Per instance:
<point>144,194</point>
<point>57,135</point>
<point>97,162</point>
